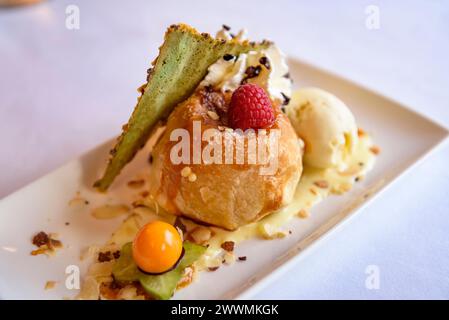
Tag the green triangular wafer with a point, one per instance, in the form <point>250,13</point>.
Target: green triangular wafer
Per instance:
<point>182,63</point>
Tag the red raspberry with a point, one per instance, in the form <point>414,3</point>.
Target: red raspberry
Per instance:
<point>250,108</point>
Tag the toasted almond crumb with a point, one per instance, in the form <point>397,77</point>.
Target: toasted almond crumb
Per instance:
<point>303,214</point>
<point>341,188</point>
<point>375,150</point>
<point>192,177</point>
<point>186,171</point>
<point>269,232</point>
<point>78,201</point>
<point>200,234</point>
<point>321,184</point>
<point>136,184</point>
<point>109,211</point>
<point>360,132</point>
<point>213,115</point>
<point>50,285</point>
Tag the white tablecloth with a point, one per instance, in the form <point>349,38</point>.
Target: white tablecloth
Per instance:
<point>64,91</point>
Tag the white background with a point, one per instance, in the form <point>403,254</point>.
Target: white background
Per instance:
<point>64,91</point>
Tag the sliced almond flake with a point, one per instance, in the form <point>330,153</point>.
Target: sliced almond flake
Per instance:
<point>269,232</point>
<point>109,211</point>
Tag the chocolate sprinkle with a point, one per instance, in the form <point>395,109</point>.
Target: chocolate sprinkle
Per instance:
<point>243,258</point>
<point>265,62</point>
<point>227,28</point>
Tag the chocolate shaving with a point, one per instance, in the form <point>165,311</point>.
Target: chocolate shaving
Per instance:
<point>228,57</point>
<point>286,99</point>
<point>251,72</point>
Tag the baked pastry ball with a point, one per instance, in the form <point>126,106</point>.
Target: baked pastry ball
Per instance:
<point>226,195</point>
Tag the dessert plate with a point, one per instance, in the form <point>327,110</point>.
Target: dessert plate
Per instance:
<point>405,138</point>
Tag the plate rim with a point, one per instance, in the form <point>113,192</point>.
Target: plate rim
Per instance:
<point>267,275</point>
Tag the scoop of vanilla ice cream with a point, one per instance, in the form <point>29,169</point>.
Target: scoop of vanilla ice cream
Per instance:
<point>326,125</point>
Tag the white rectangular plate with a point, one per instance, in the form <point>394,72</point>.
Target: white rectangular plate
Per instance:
<point>404,137</point>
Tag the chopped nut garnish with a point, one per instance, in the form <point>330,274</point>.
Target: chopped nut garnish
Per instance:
<point>192,177</point>
<point>46,243</point>
<point>228,246</point>
<point>213,268</point>
<point>201,235</point>
<point>186,171</point>
<point>40,239</point>
<point>144,194</point>
<point>109,211</point>
<point>136,184</point>
<point>321,184</point>
<point>375,150</point>
<point>341,188</point>
<point>50,285</point>
<point>360,132</point>
<point>78,201</point>
<point>269,232</point>
<point>303,214</point>
<point>213,115</point>
<point>108,256</point>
